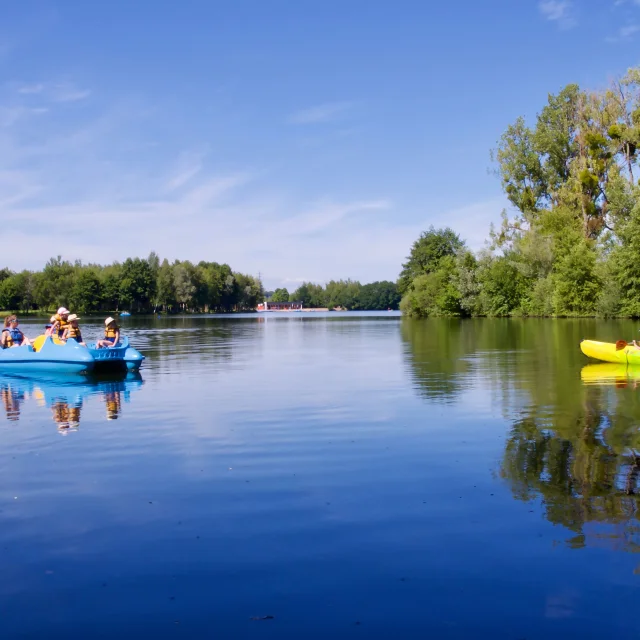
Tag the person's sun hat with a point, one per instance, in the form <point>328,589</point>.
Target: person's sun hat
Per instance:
<point>73,317</point>
<point>109,320</point>
<point>63,311</point>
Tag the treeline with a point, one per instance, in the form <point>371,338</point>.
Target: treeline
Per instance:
<point>573,246</point>
<point>344,294</point>
<point>137,284</point>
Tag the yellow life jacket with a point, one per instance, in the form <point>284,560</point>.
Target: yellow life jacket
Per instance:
<point>62,325</point>
<point>8,340</point>
<point>74,332</point>
<point>110,332</point>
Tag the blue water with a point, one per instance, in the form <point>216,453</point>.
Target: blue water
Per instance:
<point>346,476</point>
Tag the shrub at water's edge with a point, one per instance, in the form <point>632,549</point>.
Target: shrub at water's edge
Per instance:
<point>573,246</point>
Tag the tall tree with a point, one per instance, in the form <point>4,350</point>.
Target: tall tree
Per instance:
<point>427,253</point>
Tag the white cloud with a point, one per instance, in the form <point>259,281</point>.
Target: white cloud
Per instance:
<point>31,88</point>
<point>189,165</point>
<point>64,183</point>
<point>68,93</point>
<point>54,91</point>
<point>558,11</point>
<point>625,33</point>
<point>320,113</point>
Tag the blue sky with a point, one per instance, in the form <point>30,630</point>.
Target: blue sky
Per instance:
<point>302,140</point>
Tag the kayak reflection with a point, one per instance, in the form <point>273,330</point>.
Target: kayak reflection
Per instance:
<point>620,375</point>
<point>66,396</point>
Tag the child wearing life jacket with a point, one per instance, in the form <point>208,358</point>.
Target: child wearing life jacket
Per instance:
<point>73,330</point>
<point>12,336</point>
<point>60,322</point>
<point>111,334</point>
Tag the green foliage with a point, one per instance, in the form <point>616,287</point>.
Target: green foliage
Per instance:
<point>86,292</point>
<point>343,294</point>
<point>502,285</point>
<point>435,293</point>
<point>378,295</point>
<point>141,285</point>
<point>625,259</point>
<point>349,294</point>
<point>311,295</point>
<point>573,248</point>
<point>280,295</point>
<point>577,286</point>
<point>427,253</point>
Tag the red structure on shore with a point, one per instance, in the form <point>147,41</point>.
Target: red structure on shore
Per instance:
<point>267,305</point>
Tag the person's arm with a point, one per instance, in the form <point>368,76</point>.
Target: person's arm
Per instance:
<point>65,335</point>
<point>117,339</point>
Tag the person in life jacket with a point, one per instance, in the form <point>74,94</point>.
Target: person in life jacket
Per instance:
<point>12,336</point>
<point>73,330</point>
<point>60,322</point>
<point>111,334</point>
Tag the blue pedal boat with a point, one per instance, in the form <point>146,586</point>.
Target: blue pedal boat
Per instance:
<point>122,356</point>
<point>70,357</point>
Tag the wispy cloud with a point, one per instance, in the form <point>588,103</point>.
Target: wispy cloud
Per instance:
<point>326,214</point>
<point>68,93</point>
<point>320,113</point>
<point>54,91</point>
<point>31,88</point>
<point>558,11</point>
<point>625,33</point>
<point>189,165</point>
<point>61,178</point>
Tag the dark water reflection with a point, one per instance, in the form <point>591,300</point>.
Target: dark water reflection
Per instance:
<point>65,395</point>
<point>351,475</point>
<point>573,444</point>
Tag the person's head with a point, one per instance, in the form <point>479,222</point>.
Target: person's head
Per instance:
<point>110,322</point>
<point>11,321</point>
<point>63,312</point>
<point>73,319</point>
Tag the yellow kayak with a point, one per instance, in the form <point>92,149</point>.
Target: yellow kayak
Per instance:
<point>606,352</point>
<point>618,374</point>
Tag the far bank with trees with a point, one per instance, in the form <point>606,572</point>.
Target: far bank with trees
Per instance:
<point>573,246</point>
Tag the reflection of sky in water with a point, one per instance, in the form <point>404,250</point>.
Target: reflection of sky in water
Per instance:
<point>421,478</point>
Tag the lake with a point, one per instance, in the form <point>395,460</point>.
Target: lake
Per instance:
<point>350,475</point>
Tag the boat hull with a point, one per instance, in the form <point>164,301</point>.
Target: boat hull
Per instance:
<point>122,357</point>
<point>62,358</point>
<point>606,352</point>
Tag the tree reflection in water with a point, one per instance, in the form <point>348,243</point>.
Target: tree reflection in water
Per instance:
<point>582,458</point>
<point>574,439</point>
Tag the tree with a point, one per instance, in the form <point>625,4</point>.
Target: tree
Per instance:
<point>435,293</point>
<point>183,285</point>
<point>379,295</point>
<point>625,259</point>
<point>86,292</point>
<point>426,254</point>
<point>280,295</point>
<point>311,295</point>
<point>137,284</point>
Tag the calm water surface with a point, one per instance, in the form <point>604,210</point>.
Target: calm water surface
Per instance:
<point>352,476</point>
